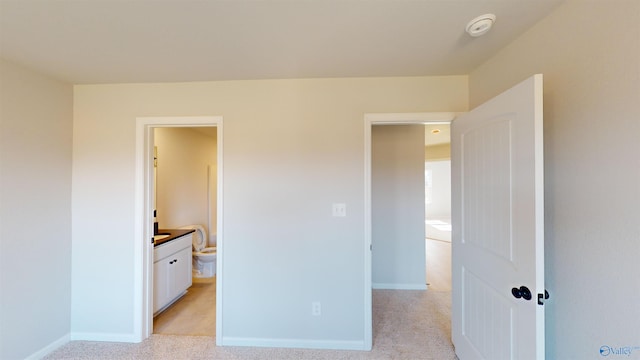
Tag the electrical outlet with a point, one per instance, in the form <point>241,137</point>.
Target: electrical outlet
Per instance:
<point>316,308</point>
<point>339,209</point>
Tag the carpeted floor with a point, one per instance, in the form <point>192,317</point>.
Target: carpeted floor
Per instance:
<point>412,325</point>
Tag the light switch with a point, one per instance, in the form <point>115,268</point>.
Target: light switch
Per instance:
<point>339,209</point>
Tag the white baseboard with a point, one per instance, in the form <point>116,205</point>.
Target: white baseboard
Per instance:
<point>295,343</point>
<point>49,348</point>
<point>111,337</point>
<point>384,286</point>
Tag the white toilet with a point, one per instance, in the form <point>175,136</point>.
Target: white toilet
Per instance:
<point>204,258</point>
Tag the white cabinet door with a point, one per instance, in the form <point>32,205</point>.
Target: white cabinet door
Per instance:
<point>161,290</point>
<point>181,271</point>
<point>498,227</point>
<point>171,272</point>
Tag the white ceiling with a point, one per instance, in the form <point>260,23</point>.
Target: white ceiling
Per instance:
<point>442,137</point>
<point>99,41</point>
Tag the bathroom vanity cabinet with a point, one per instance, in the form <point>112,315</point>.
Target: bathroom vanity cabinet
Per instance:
<point>171,271</point>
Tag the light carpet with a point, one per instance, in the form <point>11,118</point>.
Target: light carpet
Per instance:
<point>412,325</point>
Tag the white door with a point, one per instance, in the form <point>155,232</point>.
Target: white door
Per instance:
<point>498,227</point>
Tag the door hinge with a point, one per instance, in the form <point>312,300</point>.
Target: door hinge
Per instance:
<point>541,297</point>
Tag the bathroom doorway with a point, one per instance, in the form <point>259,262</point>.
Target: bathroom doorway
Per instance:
<point>185,179</point>
<point>145,194</point>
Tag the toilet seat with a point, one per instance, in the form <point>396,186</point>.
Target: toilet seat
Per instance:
<point>199,237</point>
<point>207,251</point>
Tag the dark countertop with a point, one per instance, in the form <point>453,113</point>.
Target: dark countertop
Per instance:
<point>173,234</point>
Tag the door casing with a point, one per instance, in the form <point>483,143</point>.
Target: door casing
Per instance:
<point>143,230</point>
<point>369,121</point>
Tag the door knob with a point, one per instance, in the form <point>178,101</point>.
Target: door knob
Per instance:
<point>522,292</point>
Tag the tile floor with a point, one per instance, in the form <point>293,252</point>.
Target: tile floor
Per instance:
<point>193,314</point>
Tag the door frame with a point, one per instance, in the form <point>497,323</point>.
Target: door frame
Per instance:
<point>369,121</point>
<point>143,229</point>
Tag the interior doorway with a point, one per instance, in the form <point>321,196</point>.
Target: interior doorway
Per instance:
<point>369,121</point>
<point>185,179</point>
<point>145,210</point>
<point>437,176</point>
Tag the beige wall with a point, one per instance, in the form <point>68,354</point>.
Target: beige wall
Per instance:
<point>184,159</point>
<point>291,149</point>
<point>397,207</point>
<point>437,152</point>
<point>35,212</point>
<point>440,196</point>
<point>589,53</point>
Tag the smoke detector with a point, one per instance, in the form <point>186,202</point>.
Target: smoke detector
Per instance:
<point>480,25</point>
